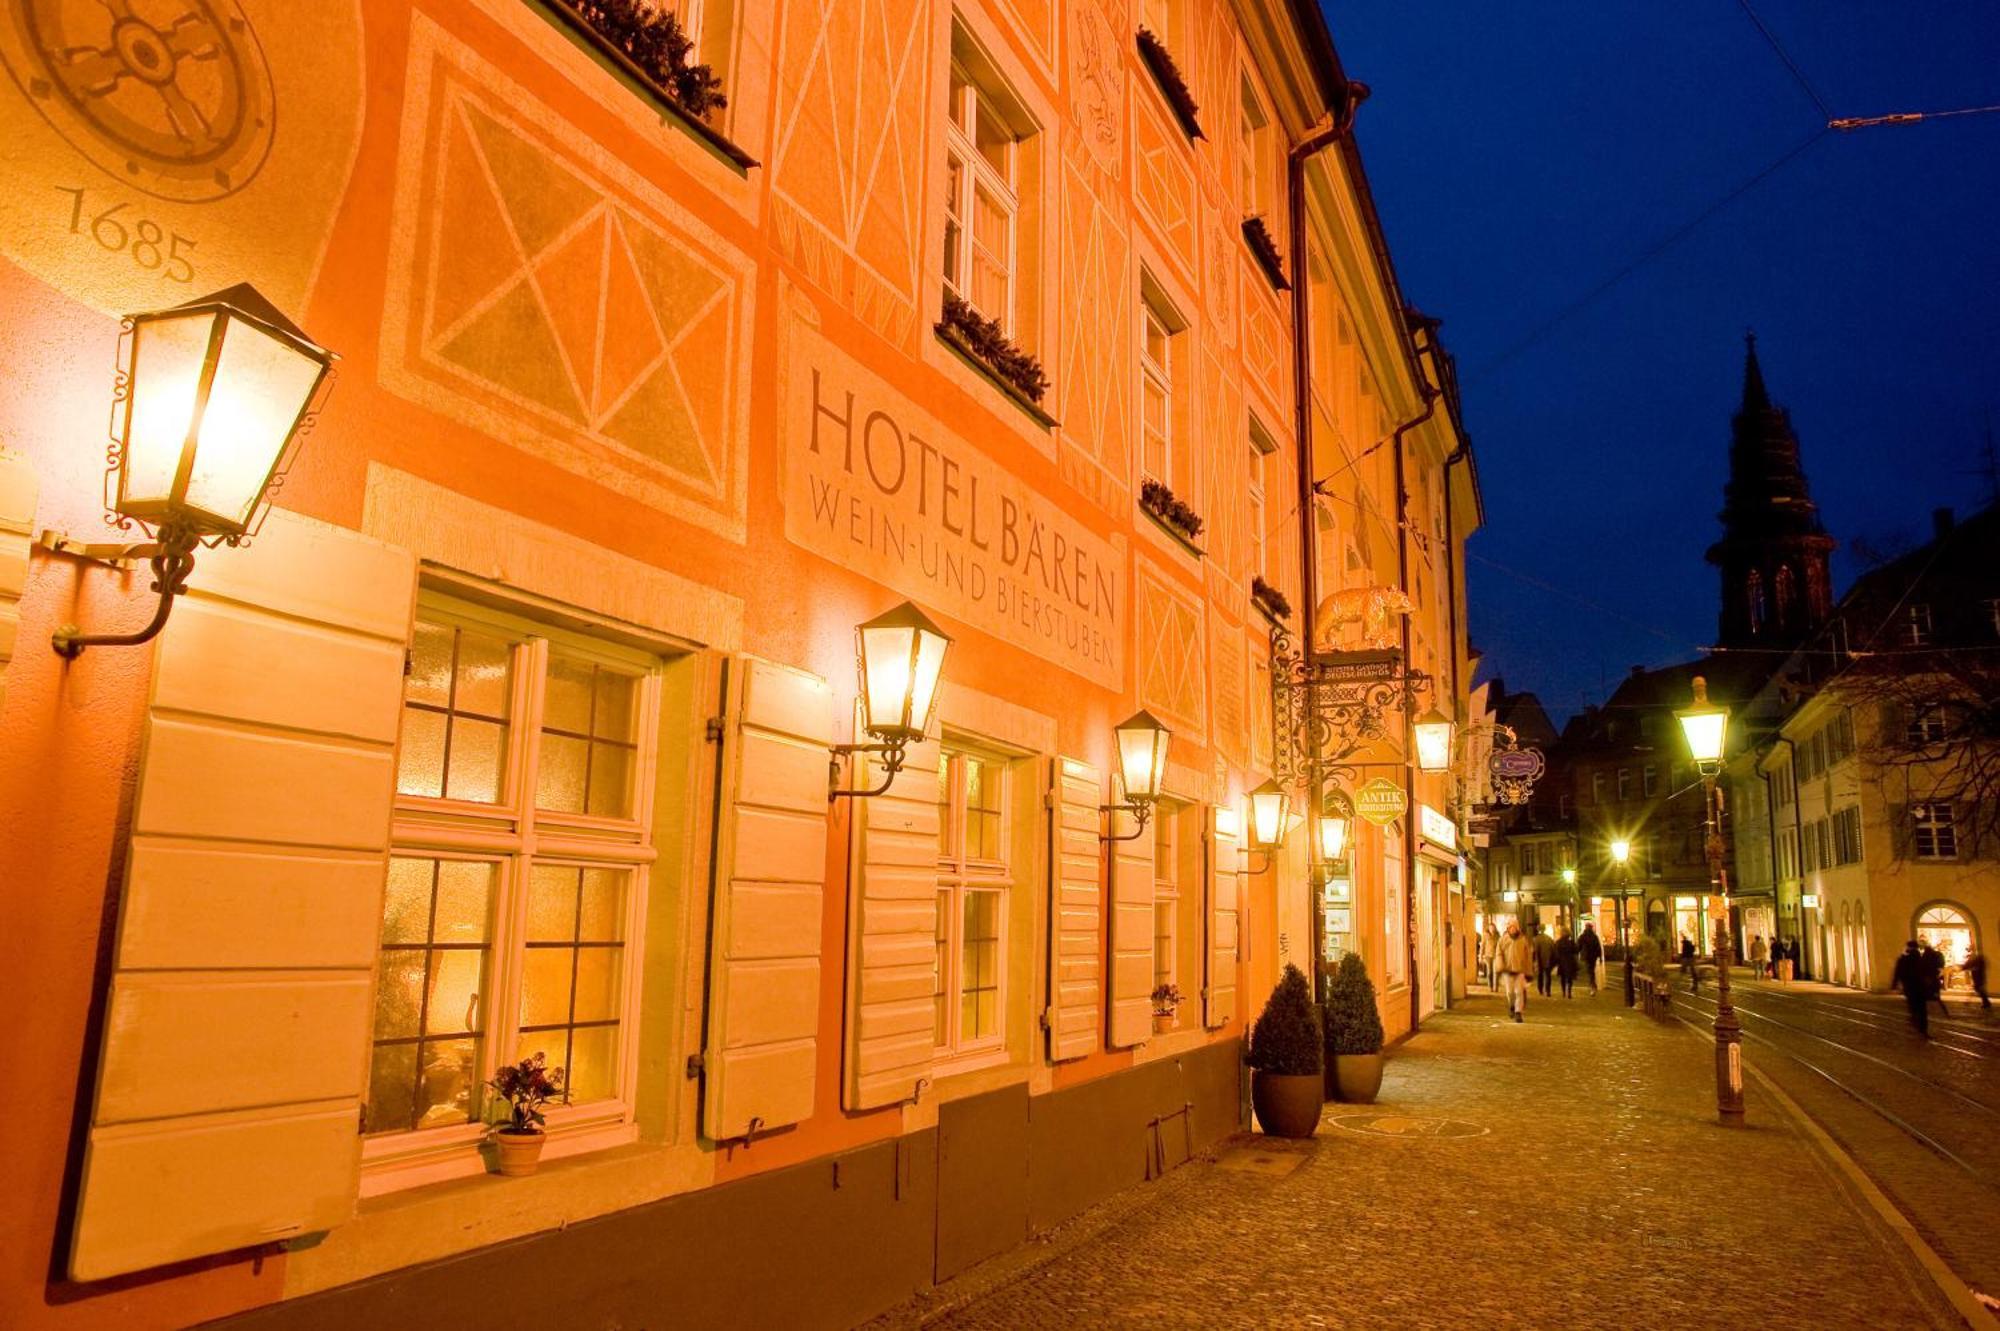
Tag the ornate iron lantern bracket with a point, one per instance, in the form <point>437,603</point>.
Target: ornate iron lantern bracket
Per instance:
<point>1325,706</point>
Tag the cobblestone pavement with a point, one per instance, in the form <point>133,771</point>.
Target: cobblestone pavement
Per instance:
<point>1564,1172</point>
<point>1922,1117</point>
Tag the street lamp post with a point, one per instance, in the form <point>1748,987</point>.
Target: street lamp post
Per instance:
<point>1621,854</point>
<point>1705,725</point>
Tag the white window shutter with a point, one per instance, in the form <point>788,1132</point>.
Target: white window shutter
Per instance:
<point>235,1053</point>
<point>1076,910</point>
<point>770,874</point>
<point>1222,921</point>
<point>1131,933</point>
<point>892,1026</point>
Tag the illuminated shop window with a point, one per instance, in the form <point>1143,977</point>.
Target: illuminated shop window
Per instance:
<point>518,873</point>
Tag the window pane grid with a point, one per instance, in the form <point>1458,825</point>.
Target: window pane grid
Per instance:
<point>455,728</point>
<point>425,1064</point>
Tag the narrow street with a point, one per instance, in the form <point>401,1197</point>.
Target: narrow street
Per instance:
<point>1922,1117</point>
<point>1567,1171</point>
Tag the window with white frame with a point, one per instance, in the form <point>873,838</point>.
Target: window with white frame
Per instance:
<point>1166,896</point>
<point>1157,453</point>
<point>1649,782</point>
<point>1624,783</point>
<point>1262,447</point>
<point>1917,625</point>
<point>982,207</point>
<point>1934,831</point>
<point>517,875</point>
<point>1597,787</point>
<point>974,878</point>
<point>1927,724</point>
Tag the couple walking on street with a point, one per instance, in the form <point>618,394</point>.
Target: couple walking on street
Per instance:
<point>1517,955</point>
<point>1919,974</point>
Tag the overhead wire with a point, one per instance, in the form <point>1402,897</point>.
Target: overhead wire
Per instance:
<point>1798,75</point>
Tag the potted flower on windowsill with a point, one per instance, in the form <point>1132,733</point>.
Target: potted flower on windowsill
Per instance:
<point>524,1087</point>
<point>1269,599</point>
<point>1353,1034</point>
<point>1286,1060</point>
<point>1166,1003</point>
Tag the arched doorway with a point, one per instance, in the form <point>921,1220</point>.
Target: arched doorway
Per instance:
<point>1950,929</point>
<point>1656,919</point>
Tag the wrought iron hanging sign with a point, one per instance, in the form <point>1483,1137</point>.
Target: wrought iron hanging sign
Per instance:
<point>1513,771</point>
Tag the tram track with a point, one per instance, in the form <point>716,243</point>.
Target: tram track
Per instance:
<point>1961,1028</point>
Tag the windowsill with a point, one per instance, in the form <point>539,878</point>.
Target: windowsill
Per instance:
<point>397,1164</point>
<point>1026,404</point>
<point>1180,538</point>
<point>1269,265</point>
<point>641,85</point>
<point>1183,116</point>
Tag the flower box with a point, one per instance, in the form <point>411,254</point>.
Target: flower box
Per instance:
<point>1173,84</point>
<point>980,343</point>
<point>647,50</point>
<point>1269,600</point>
<point>1172,515</point>
<point>1258,237</point>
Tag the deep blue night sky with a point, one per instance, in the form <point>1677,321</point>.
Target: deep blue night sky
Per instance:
<point>1521,153</point>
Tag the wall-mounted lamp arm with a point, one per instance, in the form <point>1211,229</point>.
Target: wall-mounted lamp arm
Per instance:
<point>1141,813</point>
<point>892,763</point>
<point>172,558</point>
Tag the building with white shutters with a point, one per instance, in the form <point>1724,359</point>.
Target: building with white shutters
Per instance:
<point>509,729</point>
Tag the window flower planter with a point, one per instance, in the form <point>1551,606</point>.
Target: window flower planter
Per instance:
<point>979,341</point>
<point>1172,514</point>
<point>1173,84</point>
<point>1258,237</point>
<point>1269,600</point>
<point>648,51</point>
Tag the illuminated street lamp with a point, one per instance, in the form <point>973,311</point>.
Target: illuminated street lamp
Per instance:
<point>900,659</point>
<point>211,398</point>
<point>1142,769</point>
<point>1270,804</point>
<point>1706,727</point>
<point>1335,818</point>
<point>1432,732</point>
<point>1621,855</point>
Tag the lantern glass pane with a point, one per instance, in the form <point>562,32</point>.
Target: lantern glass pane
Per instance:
<point>930,669</point>
<point>261,385</point>
<point>886,677</point>
<point>1704,731</point>
<point>1332,837</point>
<point>1433,745</point>
<point>1267,817</point>
<point>167,356</point>
<point>1142,761</point>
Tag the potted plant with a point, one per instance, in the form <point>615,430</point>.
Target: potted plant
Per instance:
<point>524,1087</point>
<point>1353,1034</point>
<point>1287,1060</point>
<point>1166,1002</point>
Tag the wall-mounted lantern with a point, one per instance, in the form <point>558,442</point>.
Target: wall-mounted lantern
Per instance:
<point>211,398</point>
<point>1336,817</point>
<point>900,657</point>
<point>1142,770</point>
<point>1270,804</point>
<point>1432,732</point>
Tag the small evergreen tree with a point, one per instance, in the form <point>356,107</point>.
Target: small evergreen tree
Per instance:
<point>1353,1022</point>
<point>1286,1039</point>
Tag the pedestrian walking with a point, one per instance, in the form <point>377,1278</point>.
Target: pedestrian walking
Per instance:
<point>1910,978</point>
<point>1784,958</point>
<point>1566,959</point>
<point>1975,971</point>
<point>1590,950</point>
<point>1492,958</point>
<point>1757,956</point>
<point>1511,960</point>
<point>1688,966</point>
<point>1934,976</point>
<point>1545,960</point>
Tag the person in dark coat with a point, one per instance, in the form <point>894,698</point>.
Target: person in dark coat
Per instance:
<point>1590,951</point>
<point>1975,971</point>
<point>1566,954</point>
<point>1910,978</point>
<point>1545,959</point>
<point>1934,977</point>
<point>1687,965</point>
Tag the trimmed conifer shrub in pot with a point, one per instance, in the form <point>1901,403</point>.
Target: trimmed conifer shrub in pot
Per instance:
<point>1353,1034</point>
<point>1286,1059</point>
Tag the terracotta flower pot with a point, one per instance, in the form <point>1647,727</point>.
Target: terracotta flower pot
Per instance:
<point>519,1153</point>
<point>1357,1078</point>
<point>1287,1106</point>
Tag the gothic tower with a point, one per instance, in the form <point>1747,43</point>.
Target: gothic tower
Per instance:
<point>1776,580</point>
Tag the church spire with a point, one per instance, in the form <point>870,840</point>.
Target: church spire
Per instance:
<point>1774,554</point>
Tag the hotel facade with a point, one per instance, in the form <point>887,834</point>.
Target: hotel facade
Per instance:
<point>510,730</point>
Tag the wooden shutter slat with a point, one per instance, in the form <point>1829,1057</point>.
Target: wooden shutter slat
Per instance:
<point>894,922</point>
<point>761,1060</point>
<point>1131,1007</point>
<point>1076,910</point>
<point>234,1058</point>
<point>1222,920</point>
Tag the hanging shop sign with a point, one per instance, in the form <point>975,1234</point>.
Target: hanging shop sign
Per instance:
<point>1810,900</point>
<point>1436,828</point>
<point>1513,772</point>
<point>1381,801</point>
